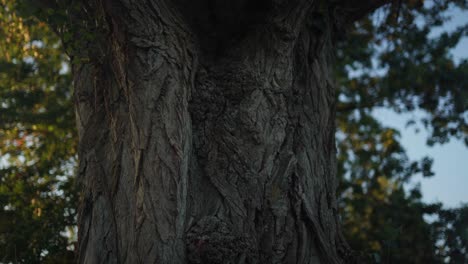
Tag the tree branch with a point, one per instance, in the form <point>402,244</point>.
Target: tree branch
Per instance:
<point>351,106</point>
<point>355,10</point>
<point>46,4</point>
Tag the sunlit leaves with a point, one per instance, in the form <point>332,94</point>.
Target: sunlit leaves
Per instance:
<point>37,141</point>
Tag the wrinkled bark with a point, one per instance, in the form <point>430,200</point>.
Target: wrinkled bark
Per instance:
<point>207,135</point>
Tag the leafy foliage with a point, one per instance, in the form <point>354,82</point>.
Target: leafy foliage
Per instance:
<point>404,66</point>
<point>452,231</point>
<point>37,142</point>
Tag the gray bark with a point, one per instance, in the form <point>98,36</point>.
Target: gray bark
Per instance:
<point>207,135</point>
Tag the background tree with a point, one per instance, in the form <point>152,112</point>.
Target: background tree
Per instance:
<point>397,63</point>
<point>37,142</point>
<point>373,62</point>
<point>452,234</point>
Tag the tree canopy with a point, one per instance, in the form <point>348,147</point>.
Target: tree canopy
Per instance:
<point>389,59</point>
<point>37,142</point>
<point>396,61</point>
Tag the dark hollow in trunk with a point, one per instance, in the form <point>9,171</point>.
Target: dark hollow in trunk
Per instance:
<point>207,135</point>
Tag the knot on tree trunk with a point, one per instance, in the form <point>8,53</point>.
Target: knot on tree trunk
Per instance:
<point>212,241</point>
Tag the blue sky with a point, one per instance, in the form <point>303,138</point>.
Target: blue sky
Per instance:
<point>450,183</point>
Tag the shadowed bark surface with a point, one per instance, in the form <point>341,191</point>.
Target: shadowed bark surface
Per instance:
<point>207,134</point>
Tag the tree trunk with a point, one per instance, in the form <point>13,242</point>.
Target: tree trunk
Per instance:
<point>207,135</point>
